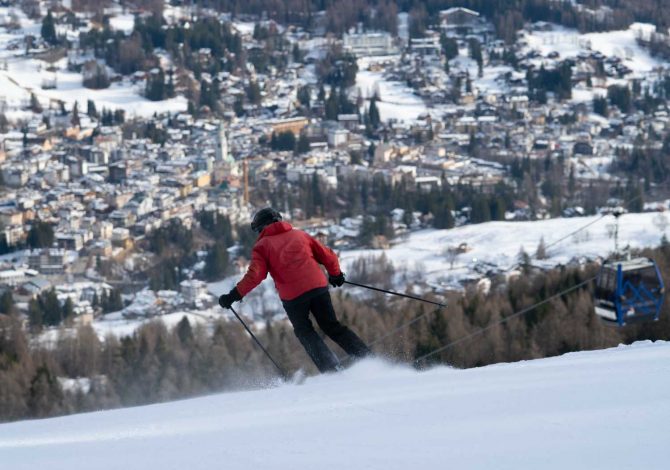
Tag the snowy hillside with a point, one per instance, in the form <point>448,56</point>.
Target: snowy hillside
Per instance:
<point>496,245</point>
<point>621,44</point>
<point>22,74</point>
<point>602,409</point>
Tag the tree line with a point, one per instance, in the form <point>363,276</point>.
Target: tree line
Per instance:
<point>40,235</point>
<point>507,16</point>
<point>532,180</point>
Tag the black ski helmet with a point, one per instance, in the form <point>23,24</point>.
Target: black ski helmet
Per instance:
<point>263,218</point>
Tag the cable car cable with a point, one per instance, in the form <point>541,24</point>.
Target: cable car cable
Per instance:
<point>583,227</point>
<point>503,320</point>
<point>602,216</point>
<point>403,326</point>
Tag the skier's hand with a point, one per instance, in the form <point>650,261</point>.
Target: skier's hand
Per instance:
<point>336,281</point>
<point>227,300</point>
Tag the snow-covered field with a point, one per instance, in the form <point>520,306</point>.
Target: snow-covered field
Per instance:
<point>29,73</point>
<point>397,100</point>
<point>496,245</point>
<point>621,44</point>
<point>591,410</point>
<point>22,74</point>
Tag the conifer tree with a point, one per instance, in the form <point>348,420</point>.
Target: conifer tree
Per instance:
<point>332,109</point>
<point>51,308</point>
<point>303,143</point>
<point>373,113</point>
<point>476,54</point>
<point>600,106</point>
<point>115,300</point>
<point>216,263</point>
<point>541,252</point>
<point>155,88</point>
<point>75,115</point>
<point>7,303</point>
<point>304,95</point>
<point>68,308</point>
<point>35,105</point>
<point>91,110</point>
<point>184,330</point>
<point>41,235</point>
<point>254,92</point>
<point>35,315</point>
<point>524,260</point>
<point>449,47</point>
<point>49,29</point>
<point>45,395</point>
<point>170,89</point>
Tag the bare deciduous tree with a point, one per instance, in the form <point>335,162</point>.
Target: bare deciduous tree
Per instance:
<point>451,254</point>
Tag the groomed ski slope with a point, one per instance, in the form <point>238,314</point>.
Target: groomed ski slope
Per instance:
<point>594,410</point>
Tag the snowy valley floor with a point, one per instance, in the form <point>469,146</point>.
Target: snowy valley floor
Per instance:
<point>592,410</point>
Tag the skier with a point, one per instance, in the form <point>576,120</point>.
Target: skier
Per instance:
<point>292,258</point>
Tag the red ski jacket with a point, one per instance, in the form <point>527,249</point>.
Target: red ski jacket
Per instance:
<point>292,258</point>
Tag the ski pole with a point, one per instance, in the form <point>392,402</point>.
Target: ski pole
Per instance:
<point>395,293</point>
<point>281,371</point>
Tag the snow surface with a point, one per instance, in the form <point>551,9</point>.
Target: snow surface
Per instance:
<point>245,27</point>
<point>114,324</point>
<point>125,23</point>
<point>593,410</point>
<point>397,100</point>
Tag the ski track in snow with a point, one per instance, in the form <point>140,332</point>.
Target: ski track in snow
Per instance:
<point>599,409</point>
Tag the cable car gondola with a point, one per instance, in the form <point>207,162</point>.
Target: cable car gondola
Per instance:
<point>629,291</point>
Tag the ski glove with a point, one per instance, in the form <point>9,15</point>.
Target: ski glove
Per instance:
<point>226,300</point>
<point>336,281</point>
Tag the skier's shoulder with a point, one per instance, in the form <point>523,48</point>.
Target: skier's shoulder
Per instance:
<point>277,239</point>
<point>297,233</point>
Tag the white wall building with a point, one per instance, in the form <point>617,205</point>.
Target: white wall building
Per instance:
<point>369,44</point>
<point>193,291</point>
<point>338,137</point>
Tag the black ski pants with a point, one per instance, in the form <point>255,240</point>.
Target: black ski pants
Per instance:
<point>321,307</point>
